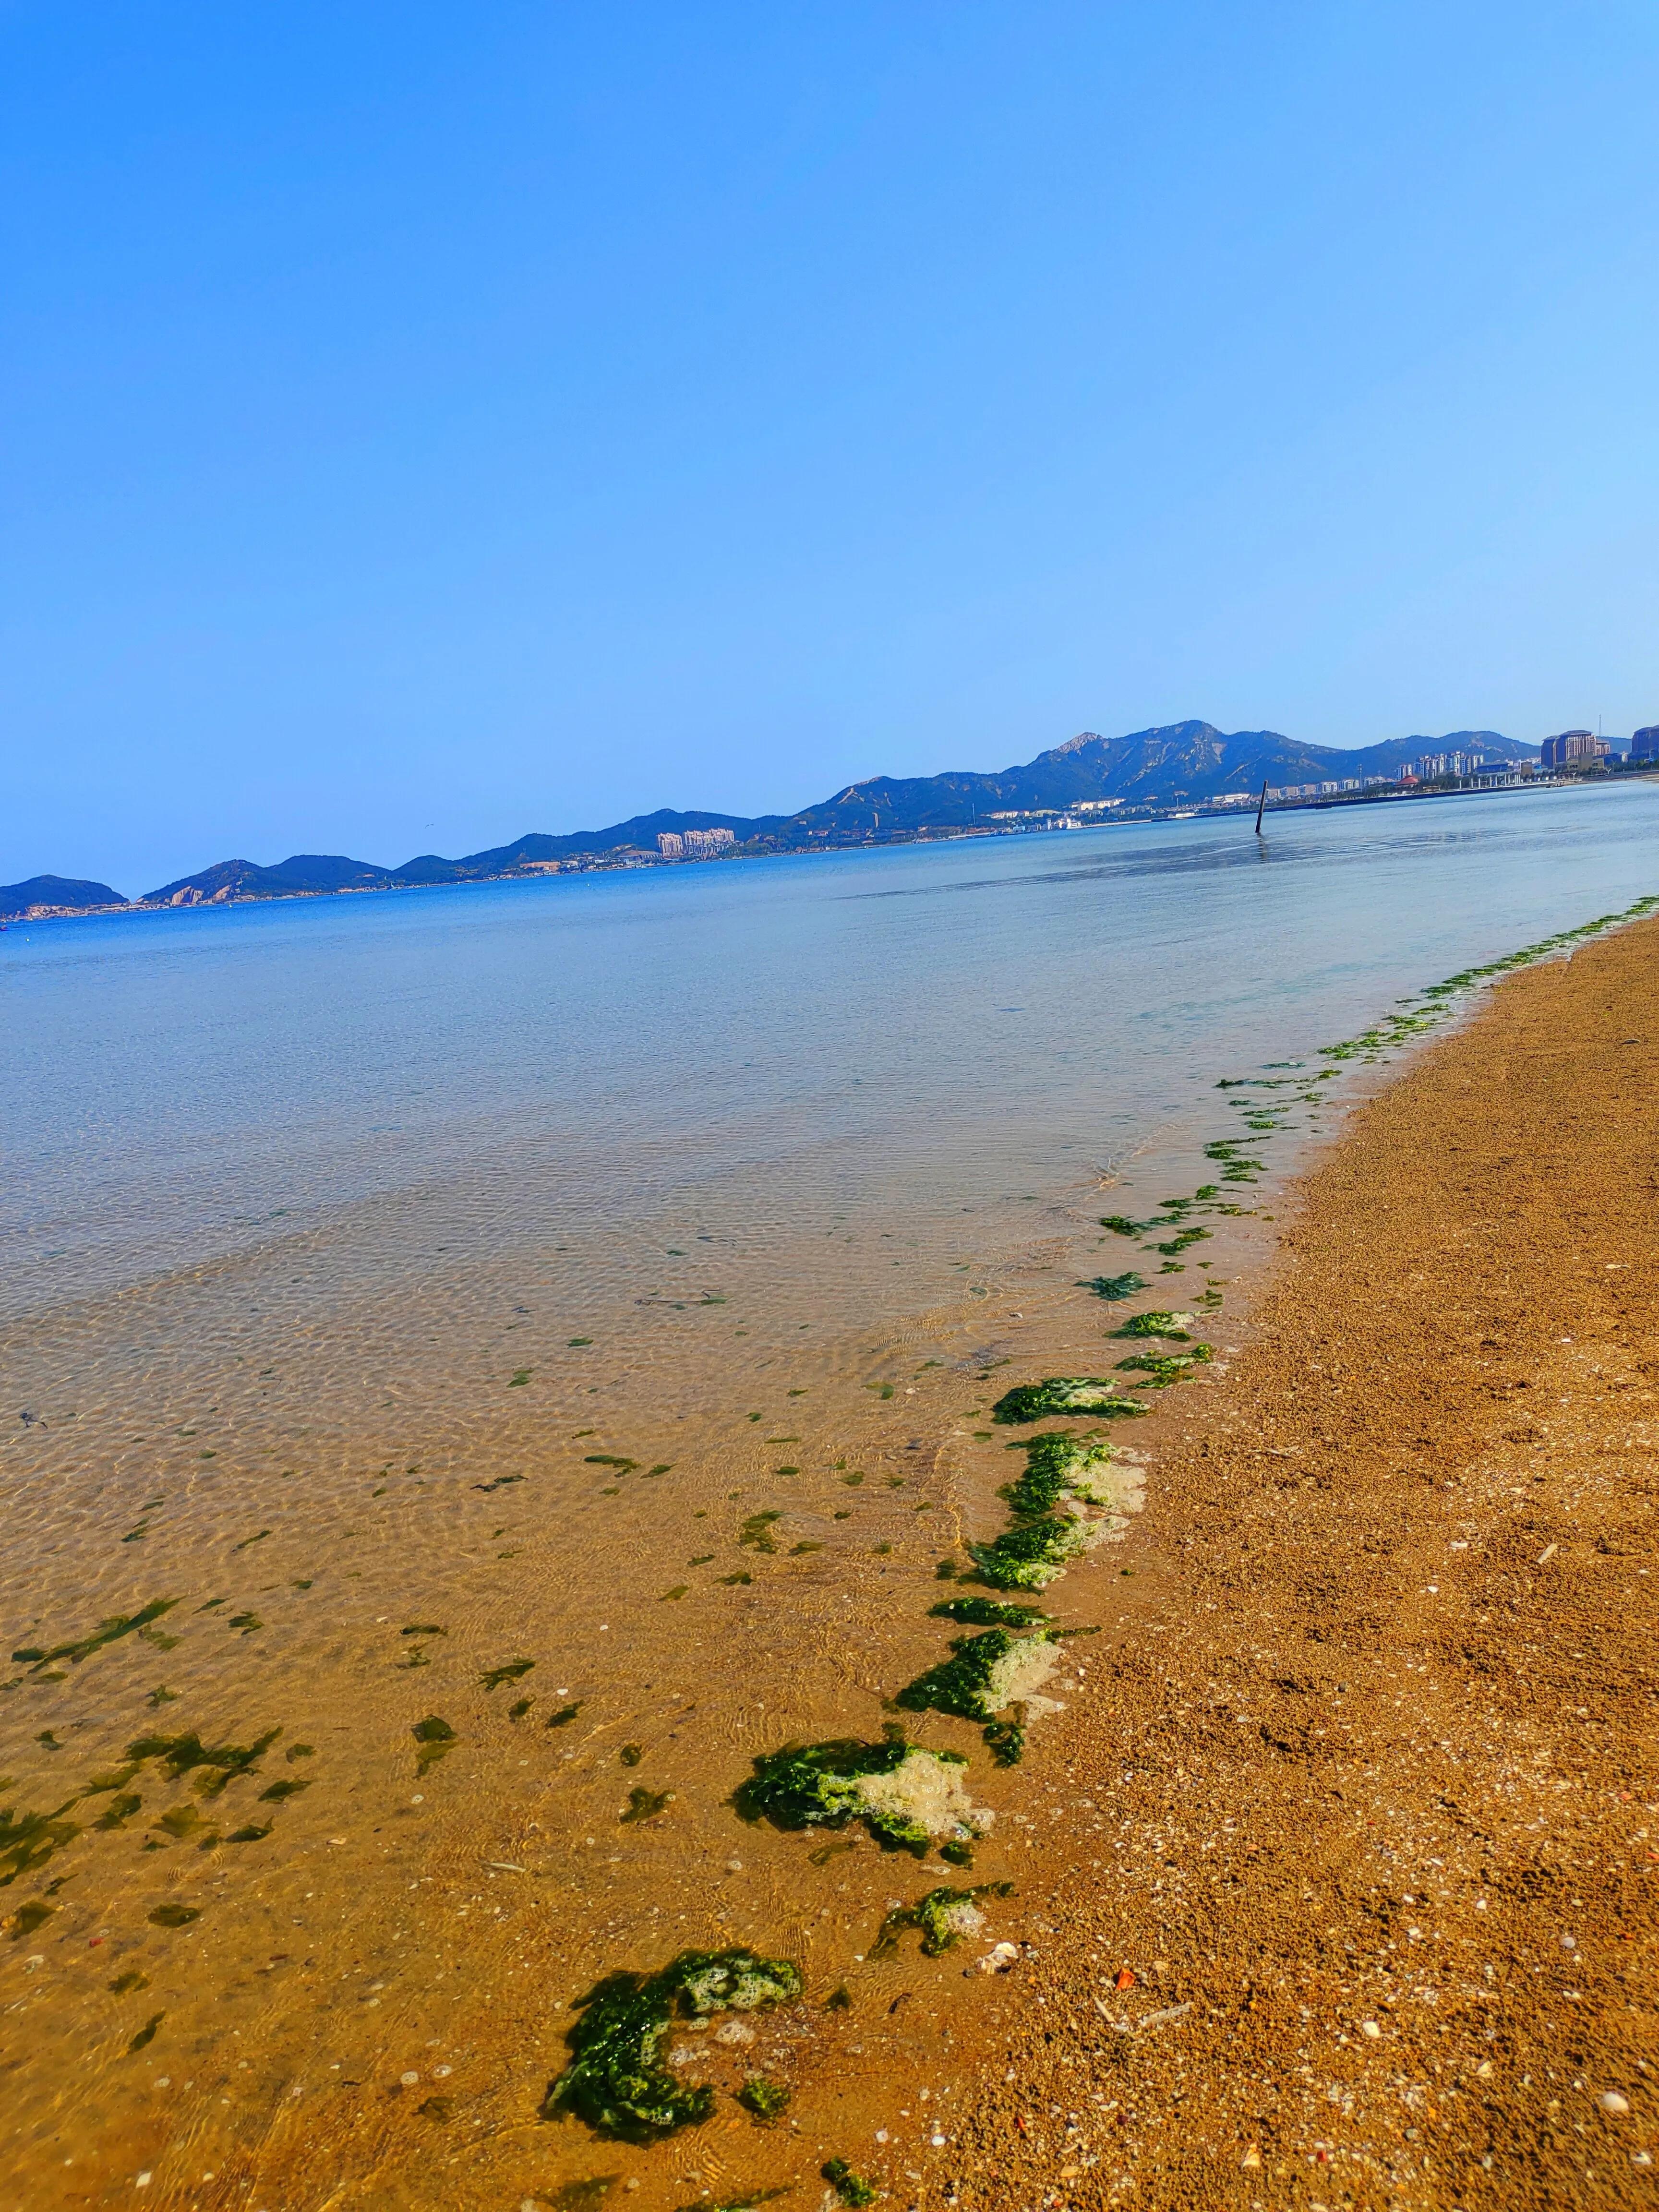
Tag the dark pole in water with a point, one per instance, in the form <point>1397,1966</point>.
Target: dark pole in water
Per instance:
<point>1260,805</point>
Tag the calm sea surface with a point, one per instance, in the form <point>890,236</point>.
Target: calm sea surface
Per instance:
<point>498,1361</point>
<point>914,1028</point>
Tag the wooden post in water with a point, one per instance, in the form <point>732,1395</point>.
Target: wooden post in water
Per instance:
<point>1261,803</point>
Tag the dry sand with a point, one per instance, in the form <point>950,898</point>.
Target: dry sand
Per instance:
<point>1372,1798</point>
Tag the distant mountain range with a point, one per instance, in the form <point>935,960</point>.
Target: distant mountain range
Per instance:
<point>1182,763</point>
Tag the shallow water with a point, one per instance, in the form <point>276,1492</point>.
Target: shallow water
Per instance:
<point>414,1284</point>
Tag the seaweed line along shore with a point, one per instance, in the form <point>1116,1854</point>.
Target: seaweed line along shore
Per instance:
<point>759,2049</point>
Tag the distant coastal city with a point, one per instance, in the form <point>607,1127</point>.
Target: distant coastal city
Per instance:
<point>1177,772</point>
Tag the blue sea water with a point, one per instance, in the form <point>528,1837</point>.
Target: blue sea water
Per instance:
<point>913,1030</point>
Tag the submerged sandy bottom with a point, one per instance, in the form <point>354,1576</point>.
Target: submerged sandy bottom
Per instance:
<point>616,1543</point>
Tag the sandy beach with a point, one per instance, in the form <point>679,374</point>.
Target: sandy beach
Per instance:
<point>1360,1842</point>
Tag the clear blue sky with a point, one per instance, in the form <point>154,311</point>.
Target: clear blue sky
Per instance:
<point>425,424</point>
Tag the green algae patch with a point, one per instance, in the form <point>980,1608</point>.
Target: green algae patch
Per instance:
<point>987,1613</point>
<point>850,2187</point>
<point>1036,1554</point>
<point>1115,1288</point>
<point>1181,1243</point>
<point>756,1533</point>
<point>1163,1370</point>
<point>616,2080</point>
<point>1160,1322</point>
<point>509,1671</point>
<point>765,2099</point>
<point>28,1917</point>
<point>1056,1466</point>
<point>944,1917</point>
<point>119,1810</point>
<point>435,1737</point>
<point>174,1916</point>
<point>646,1804</point>
<point>631,1753</point>
<point>565,1715</point>
<point>146,2034</point>
<point>906,1797</point>
<point>124,1985</point>
<point>106,1633</point>
<point>180,1821</point>
<point>985,1675</point>
<point>215,1766</point>
<point>1063,1394</point>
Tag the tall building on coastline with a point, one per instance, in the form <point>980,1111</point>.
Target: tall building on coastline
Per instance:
<point>693,844</point>
<point>1574,749</point>
<point>1644,744</point>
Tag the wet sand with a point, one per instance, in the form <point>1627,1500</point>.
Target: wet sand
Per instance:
<point>1373,1801</point>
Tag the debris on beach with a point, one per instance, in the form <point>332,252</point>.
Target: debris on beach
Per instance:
<point>908,1798</point>
<point>616,2080</point>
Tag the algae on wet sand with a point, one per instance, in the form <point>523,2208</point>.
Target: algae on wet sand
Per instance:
<point>908,1797</point>
<point>1061,1393</point>
<point>616,2080</point>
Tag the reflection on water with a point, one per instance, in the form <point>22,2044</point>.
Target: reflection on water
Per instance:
<point>499,1360</point>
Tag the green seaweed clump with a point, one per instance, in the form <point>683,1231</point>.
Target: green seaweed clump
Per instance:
<point>1056,1464</point>
<point>220,1766</point>
<point>28,1840</point>
<point>107,1631</point>
<point>1180,1244</point>
<point>1115,1288</point>
<point>1160,1322</point>
<point>986,1673</point>
<point>509,1671</point>
<point>1060,1394</point>
<point>764,2098</point>
<point>616,2080</point>
<point>905,1795</point>
<point>986,1612</point>
<point>1161,1370</point>
<point>435,1737</point>
<point>1034,1555</point>
<point>944,1917</point>
<point>645,1804</point>
<point>850,2187</point>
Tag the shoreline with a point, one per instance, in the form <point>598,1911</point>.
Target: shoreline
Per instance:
<point>1366,1797</point>
<point>488,2001</point>
<point>631,860</point>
